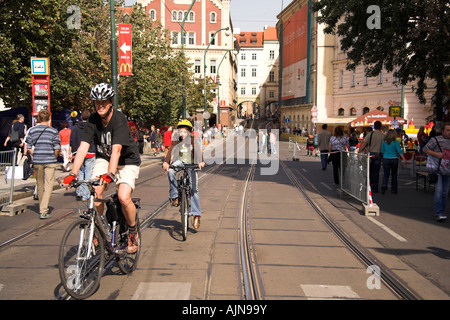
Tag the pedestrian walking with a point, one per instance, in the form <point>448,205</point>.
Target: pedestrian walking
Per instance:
<point>390,149</point>
<point>323,141</point>
<point>167,139</point>
<point>85,171</point>
<point>64,136</point>
<point>372,143</point>
<point>337,143</point>
<point>17,136</point>
<point>46,143</point>
<point>153,136</point>
<point>439,148</point>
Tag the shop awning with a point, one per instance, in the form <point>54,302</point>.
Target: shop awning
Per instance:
<point>368,119</point>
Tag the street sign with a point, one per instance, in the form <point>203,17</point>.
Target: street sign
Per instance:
<point>40,66</point>
<point>287,120</point>
<point>125,63</point>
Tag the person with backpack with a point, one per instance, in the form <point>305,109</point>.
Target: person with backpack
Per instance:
<point>17,135</point>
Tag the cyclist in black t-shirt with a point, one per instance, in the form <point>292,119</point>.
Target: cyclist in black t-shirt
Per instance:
<point>117,155</point>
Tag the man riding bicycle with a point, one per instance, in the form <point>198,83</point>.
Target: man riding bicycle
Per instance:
<point>184,151</point>
<point>117,156</point>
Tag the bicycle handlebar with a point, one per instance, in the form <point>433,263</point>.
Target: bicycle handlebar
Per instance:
<point>186,166</point>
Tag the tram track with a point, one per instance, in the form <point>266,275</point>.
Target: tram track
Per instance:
<point>396,285</point>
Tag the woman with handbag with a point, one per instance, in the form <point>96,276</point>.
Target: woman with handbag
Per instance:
<point>390,149</point>
<point>438,150</point>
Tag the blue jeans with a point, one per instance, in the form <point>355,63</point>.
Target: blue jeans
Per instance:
<point>173,190</point>
<point>390,165</point>
<point>85,174</point>
<point>441,194</point>
<point>324,158</point>
<point>375,165</point>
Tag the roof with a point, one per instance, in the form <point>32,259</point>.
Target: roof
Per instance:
<point>250,39</point>
<point>369,118</point>
<point>270,33</point>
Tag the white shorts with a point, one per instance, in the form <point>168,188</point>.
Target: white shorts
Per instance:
<point>125,174</point>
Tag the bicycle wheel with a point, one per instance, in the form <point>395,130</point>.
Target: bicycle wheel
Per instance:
<point>127,262</point>
<point>80,271</point>
<point>184,215</point>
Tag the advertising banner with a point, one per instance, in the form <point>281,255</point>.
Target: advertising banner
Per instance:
<point>295,42</point>
<point>125,63</point>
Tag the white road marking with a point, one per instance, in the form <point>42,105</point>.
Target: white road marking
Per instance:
<point>163,291</point>
<point>326,186</point>
<point>314,292</point>
<point>304,170</point>
<point>385,228</point>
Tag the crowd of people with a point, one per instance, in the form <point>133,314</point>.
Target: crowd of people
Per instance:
<point>386,147</point>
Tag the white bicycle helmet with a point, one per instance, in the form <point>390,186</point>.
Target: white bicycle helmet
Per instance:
<point>102,91</point>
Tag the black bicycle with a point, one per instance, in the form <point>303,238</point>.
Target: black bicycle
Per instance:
<point>184,196</point>
<point>93,241</point>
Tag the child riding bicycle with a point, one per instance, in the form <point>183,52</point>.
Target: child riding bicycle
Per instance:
<point>184,151</point>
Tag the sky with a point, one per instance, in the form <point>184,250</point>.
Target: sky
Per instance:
<point>252,15</point>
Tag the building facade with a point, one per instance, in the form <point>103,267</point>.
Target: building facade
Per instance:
<point>314,74</point>
<point>205,18</point>
<point>257,71</point>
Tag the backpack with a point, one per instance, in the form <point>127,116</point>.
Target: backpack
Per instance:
<point>14,136</point>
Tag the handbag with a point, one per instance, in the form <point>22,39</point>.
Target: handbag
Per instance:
<point>433,166</point>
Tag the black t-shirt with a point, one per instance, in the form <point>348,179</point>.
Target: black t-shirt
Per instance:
<point>116,132</point>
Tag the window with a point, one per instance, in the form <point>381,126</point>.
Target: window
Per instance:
<point>191,16</point>
<point>243,57</point>
<point>353,111</point>
<point>174,37</point>
<point>242,72</point>
<point>213,66</point>
<point>180,15</point>
<point>380,77</point>
<point>272,76</point>
<point>212,39</point>
<point>272,54</point>
<point>253,56</point>
<point>197,66</point>
<point>253,90</point>
<point>213,17</point>
<point>174,16</point>
<point>341,112</point>
<point>341,79</point>
<point>366,78</point>
<point>395,75</point>
<point>253,72</point>
<point>183,40</point>
<point>366,110</point>
<point>152,14</point>
<point>242,90</point>
<point>271,94</point>
<point>191,38</point>
<point>353,78</point>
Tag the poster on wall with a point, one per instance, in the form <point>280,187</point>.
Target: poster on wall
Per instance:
<point>295,42</point>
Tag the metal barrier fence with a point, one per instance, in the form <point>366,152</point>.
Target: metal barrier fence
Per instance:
<point>7,174</point>
<point>355,175</point>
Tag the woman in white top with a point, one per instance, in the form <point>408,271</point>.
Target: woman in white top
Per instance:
<point>337,143</point>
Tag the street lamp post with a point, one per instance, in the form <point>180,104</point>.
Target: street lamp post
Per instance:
<point>205,66</point>
<point>112,10</point>
<point>182,54</point>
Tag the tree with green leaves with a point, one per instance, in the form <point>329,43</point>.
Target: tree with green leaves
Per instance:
<point>408,37</point>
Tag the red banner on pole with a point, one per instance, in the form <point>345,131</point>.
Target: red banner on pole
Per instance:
<point>125,65</point>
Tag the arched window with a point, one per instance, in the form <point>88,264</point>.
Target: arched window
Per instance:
<point>380,108</point>
<point>152,14</point>
<point>174,15</point>
<point>180,15</point>
<point>353,111</point>
<point>213,17</point>
<point>366,110</point>
<point>341,112</point>
<point>191,16</point>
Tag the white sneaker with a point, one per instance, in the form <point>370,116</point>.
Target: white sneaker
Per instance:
<point>441,217</point>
